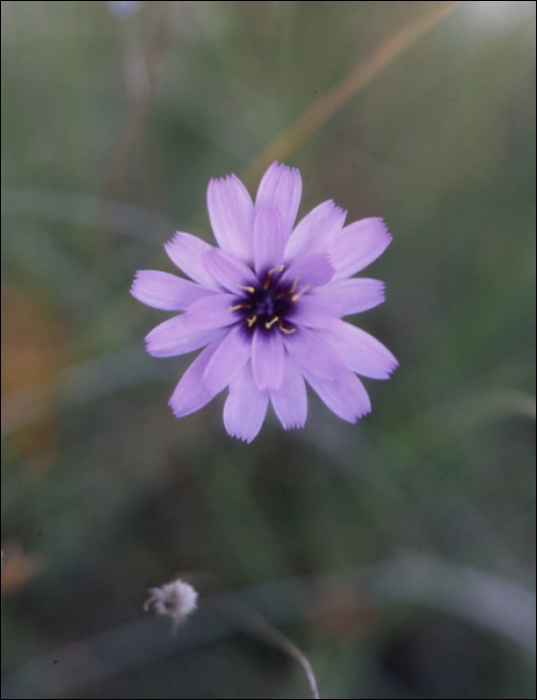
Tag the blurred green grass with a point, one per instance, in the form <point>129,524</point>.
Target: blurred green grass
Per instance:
<point>111,130</point>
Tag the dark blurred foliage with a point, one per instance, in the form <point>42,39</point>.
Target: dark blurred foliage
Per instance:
<point>398,553</point>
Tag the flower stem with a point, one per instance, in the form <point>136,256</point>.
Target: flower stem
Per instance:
<point>360,76</point>
<point>251,621</point>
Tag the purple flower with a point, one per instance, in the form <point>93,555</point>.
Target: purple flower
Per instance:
<point>267,304</point>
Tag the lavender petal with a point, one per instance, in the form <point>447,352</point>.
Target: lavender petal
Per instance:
<point>361,352</point>
<point>245,407</point>
<point>345,395</point>
<point>313,311</point>
<point>174,337</point>
<point>269,240</point>
<point>268,358</point>
<point>191,393</point>
<point>231,212</point>
<point>315,270</point>
<point>315,231</point>
<point>290,401</point>
<point>187,251</point>
<point>212,312</point>
<point>230,356</point>
<point>314,354</point>
<point>358,245</point>
<point>351,296</point>
<point>281,188</point>
<point>165,291</point>
<point>227,270</point>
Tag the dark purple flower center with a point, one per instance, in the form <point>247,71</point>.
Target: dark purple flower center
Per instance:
<point>268,304</point>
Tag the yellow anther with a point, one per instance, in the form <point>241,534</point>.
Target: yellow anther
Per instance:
<point>296,296</point>
<point>250,321</point>
<point>269,324</point>
<point>239,306</point>
<point>285,330</point>
<point>248,289</point>
<point>289,292</point>
<point>266,284</point>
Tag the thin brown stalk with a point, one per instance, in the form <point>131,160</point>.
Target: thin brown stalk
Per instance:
<point>131,135</point>
<point>360,76</point>
<point>137,117</point>
<point>252,622</point>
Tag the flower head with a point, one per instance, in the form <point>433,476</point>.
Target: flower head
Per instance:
<point>176,600</point>
<point>267,304</point>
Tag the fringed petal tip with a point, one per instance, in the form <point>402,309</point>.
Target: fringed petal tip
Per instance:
<point>292,426</point>
<point>132,289</point>
<point>276,165</point>
<point>231,212</point>
<point>383,229</point>
<point>236,435</point>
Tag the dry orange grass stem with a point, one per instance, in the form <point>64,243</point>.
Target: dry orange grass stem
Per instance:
<point>360,76</point>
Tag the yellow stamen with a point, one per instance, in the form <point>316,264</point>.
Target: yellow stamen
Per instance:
<point>250,321</point>
<point>239,306</point>
<point>282,295</point>
<point>269,324</point>
<point>248,289</point>
<point>296,296</point>
<point>285,330</point>
<point>269,275</point>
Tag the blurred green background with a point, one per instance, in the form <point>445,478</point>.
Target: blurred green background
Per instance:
<point>397,553</point>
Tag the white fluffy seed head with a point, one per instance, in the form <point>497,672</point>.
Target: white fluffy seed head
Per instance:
<point>176,599</point>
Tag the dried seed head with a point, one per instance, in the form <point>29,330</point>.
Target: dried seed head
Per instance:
<point>176,599</point>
